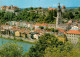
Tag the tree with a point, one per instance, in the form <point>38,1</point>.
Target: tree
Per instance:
<point>46,40</point>
<point>71,15</point>
<point>26,9</point>
<point>11,50</point>
<point>31,8</point>
<point>55,13</point>
<point>79,8</point>
<point>76,12</point>
<point>41,27</point>
<point>40,7</point>
<point>35,8</point>
<point>52,29</point>
<point>50,17</point>
<point>66,50</point>
<point>60,51</point>
<point>78,44</point>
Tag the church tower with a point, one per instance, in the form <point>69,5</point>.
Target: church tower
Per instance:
<point>59,18</point>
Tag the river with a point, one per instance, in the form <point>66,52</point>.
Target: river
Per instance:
<point>26,46</point>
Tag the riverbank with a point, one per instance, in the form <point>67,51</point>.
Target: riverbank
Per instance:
<point>31,41</point>
<point>25,46</point>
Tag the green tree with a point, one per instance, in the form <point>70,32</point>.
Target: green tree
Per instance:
<point>68,15</point>
<point>41,27</point>
<point>46,40</point>
<point>40,7</point>
<point>11,50</point>
<point>31,8</point>
<point>50,17</point>
<point>71,15</point>
<point>52,29</point>
<point>35,8</point>
<point>55,13</point>
<point>76,12</point>
<point>79,8</point>
<point>60,51</point>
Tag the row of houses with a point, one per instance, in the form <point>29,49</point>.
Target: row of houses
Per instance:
<point>29,30</point>
<point>26,24</point>
<point>17,32</point>
<point>25,29</point>
<point>33,31</point>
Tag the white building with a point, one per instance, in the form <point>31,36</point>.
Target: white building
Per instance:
<point>36,36</point>
<point>73,34</point>
<point>10,8</point>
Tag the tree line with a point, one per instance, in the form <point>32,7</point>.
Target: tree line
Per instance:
<point>47,46</point>
<point>44,16</point>
<point>28,15</point>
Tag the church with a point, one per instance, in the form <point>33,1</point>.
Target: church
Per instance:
<point>70,29</point>
<point>59,20</point>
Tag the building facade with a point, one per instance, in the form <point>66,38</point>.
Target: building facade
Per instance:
<point>73,35</point>
<point>11,8</point>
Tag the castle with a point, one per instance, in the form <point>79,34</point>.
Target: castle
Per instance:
<point>11,8</point>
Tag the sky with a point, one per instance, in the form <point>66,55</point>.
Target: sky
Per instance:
<point>40,3</point>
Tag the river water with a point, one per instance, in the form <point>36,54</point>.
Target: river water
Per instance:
<point>26,46</point>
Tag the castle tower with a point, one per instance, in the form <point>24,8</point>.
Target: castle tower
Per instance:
<point>59,18</point>
<point>11,6</point>
<point>63,8</point>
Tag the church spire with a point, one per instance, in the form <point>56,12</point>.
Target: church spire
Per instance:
<point>59,5</point>
<point>59,9</point>
<point>59,17</point>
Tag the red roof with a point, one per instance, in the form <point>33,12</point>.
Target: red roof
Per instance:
<point>15,29</point>
<point>48,31</point>
<point>14,7</point>
<point>7,6</point>
<point>73,32</point>
<point>76,20</point>
<point>3,7</point>
<point>43,24</point>
<point>63,7</point>
<point>37,30</point>
<point>4,25</point>
<point>51,8</point>
<point>61,30</point>
<point>67,23</point>
<point>78,26</point>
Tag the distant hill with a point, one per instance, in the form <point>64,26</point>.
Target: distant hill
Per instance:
<point>55,7</point>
